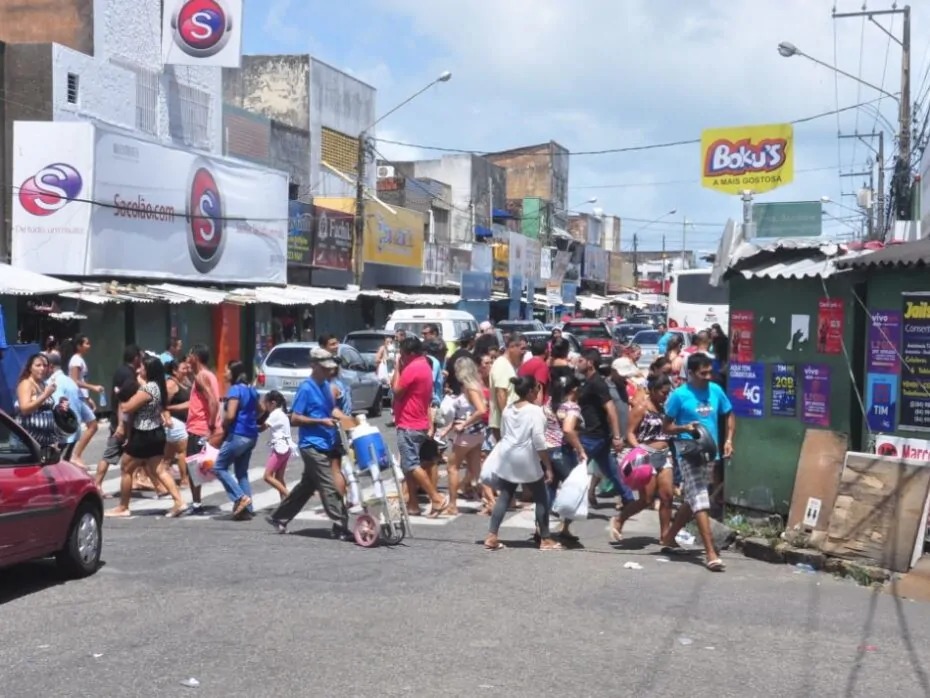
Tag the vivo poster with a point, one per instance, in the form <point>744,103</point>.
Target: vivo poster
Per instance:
<point>915,363</point>
<point>746,384</point>
<point>202,33</point>
<point>881,395</point>
<point>884,335</point>
<point>784,391</point>
<point>815,395</point>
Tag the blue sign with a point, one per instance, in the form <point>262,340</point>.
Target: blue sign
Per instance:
<point>569,294</point>
<point>881,392</point>
<point>476,286</point>
<point>747,389</point>
<point>784,391</point>
<point>516,296</point>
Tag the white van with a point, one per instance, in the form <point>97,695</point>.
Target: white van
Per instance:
<point>451,323</point>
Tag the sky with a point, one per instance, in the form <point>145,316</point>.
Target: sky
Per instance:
<point>605,74</point>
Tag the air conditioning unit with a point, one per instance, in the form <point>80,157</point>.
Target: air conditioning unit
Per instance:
<point>385,171</point>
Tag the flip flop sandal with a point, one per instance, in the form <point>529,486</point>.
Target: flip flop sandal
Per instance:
<point>494,548</point>
<point>551,548</point>
<point>435,513</point>
<point>716,566</point>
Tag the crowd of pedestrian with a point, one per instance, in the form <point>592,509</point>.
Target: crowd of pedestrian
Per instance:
<point>511,423</point>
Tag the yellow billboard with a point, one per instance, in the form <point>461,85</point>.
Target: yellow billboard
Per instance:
<point>395,239</point>
<point>753,158</point>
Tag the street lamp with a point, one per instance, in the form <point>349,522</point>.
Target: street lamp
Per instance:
<point>444,76</point>
<point>787,50</point>
<point>636,241</point>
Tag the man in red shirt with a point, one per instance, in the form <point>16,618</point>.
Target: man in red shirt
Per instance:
<point>538,367</point>
<point>412,385</point>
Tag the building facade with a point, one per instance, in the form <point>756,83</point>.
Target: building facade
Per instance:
<point>537,171</point>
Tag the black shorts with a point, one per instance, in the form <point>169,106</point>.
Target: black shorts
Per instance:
<point>429,451</point>
<point>195,444</point>
<point>146,444</point>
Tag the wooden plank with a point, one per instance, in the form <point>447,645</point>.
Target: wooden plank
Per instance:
<point>818,477</point>
<point>878,512</point>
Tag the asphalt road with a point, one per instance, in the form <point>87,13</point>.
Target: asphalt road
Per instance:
<point>247,612</point>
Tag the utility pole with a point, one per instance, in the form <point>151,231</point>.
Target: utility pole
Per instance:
<point>747,214</point>
<point>684,235</point>
<point>902,174</point>
<point>360,209</point>
<point>636,260</point>
<point>663,261</point>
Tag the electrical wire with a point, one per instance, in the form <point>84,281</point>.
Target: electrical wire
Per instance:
<point>836,101</point>
<point>630,185</point>
<point>855,141</point>
<point>610,151</point>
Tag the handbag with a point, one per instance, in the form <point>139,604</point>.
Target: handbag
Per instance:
<point>200,465</point>
<point>488,475</point>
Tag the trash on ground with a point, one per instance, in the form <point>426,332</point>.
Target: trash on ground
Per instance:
<point>685,641</point>
<point>97,655</point>
<point>868,648</point>
<point>684,538</point>
<point>662,559</point>
<point>804,568</point>
<point>632,566</point>
<point>710,648</point>
<point>190,683</point>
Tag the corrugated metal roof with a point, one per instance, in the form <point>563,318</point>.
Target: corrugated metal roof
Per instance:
<point>819,267</point>
<point>20,282</point>
<point>904,255</point>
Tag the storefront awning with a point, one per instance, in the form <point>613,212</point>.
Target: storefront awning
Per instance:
<point>20,282</point>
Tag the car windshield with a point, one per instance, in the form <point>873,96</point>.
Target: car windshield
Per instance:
<point>415,329</point>
<point>288,357</point>
<point>367,344</point>
<point>589,331</point>
<point>646,337</point>
<point>627,332</point>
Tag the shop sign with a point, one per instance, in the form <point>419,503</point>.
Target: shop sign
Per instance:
<point>332,240</point>
<point>754,158</point>
<point>915,362</point>
<point>299,233</point>
<point>205,33</point>
<point>93,202</point>
<point>476,286</point>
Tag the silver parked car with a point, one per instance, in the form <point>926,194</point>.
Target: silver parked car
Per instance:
<point>648,341</point>
<point>288,365</point>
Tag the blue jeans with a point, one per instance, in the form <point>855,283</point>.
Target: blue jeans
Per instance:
<point>235,453</point>
<point>598,448</point>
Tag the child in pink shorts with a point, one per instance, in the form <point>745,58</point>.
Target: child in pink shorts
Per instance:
<point>282,446</point>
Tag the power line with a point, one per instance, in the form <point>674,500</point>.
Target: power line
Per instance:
<point>610,151</point>
<point>627,185</point>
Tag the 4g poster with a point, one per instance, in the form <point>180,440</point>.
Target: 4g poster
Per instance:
<point>746,384</point>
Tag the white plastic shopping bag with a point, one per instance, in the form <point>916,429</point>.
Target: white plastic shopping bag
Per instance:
<point>488,475</point>
<point>200,465</point>
<point>571,502</point>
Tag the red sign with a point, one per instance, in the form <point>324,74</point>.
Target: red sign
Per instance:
<point>830,326</point>
<point>741,336</point>
<point>332,240</point>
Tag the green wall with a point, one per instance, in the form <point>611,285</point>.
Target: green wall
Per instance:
<point>106,327</point>
<point>885,287</point>
<point>532,217</point>
<point>761,473</point>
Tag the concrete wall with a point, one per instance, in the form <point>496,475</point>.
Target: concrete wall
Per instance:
<point>456,171</point>
<point>342,103</point>
<point>66,22</point>
<point>276,86</point>
<point>289,152</point>
<point>539,171</point>
<point>27,74</point>
<point>125,52</point>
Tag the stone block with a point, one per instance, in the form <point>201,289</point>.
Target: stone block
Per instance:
<point>761,549</point>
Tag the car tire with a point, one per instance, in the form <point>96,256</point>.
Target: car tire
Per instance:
<point>377,406</point>
<point>81,555</point>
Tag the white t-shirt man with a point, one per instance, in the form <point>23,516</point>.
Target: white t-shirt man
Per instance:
<point>77,361</point>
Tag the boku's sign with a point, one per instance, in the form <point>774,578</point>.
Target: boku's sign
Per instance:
<point>741,158</point>
<point>793,219</point>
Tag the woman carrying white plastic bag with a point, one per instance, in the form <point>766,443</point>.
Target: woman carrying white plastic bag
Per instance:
<point>519,458</point>
<point>571,503</point>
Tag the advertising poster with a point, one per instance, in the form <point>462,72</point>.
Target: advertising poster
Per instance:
<point>784,391</point>
<point>881,394</point>
<point>884,335</point>
<point>815,391</point>
<point>332,243</point>
<point>202,33</point>
<point>915,364</point>
<point>741,336</point>
<point>746,384</point>
<point>299,232</point>
<point>830,326</point>
<point>900,447</point>
<point>737,158</point>
<point>476,286</point>
<point>501,267</point>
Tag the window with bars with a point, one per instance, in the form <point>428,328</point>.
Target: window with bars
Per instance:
<point>189,114</point>
<point>147,83</point>
<point>339,150</point>
<point>73,86</point>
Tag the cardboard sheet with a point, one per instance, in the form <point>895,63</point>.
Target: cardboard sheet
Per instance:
<point>817,479</point>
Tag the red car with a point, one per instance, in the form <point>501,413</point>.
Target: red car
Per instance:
<point>48,507</point>
<point>594,334</point>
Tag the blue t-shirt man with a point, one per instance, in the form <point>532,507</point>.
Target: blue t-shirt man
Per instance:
<point>438,382</point>
<point>688,404</point>
<point>662,346</point>
<point>246,423</point>
<point>315,400</point>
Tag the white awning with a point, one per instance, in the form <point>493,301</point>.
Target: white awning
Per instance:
<point>173,293</point>
<point>592,303</point>
<point>20,282</point>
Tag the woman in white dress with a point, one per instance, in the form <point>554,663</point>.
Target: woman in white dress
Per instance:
<point>521,458</point>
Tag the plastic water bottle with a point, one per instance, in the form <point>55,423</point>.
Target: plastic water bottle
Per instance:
<point>102,402</point>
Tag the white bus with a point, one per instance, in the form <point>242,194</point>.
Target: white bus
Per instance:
<point>693,302</point>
